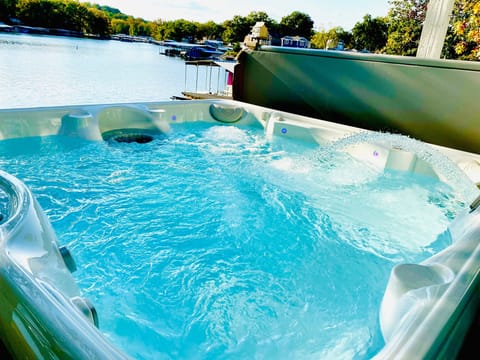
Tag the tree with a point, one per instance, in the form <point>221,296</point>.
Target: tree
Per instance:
<point>236,29</point>
<point>97,23</point>
<point>297,24</point>
<point>405,20</point>
<point>346,37</point>
<point>371,34</point>
<point>120,26</point>
<point>209,30</point>
<point>329,39</point>
<point>137,27</point>
<point>177,30</point>
<point>63,14</point>
<point>74,16</point>
<point>109,11</point>
<point>35,12</point>
<point>463,39</point>
<point>261,16</point>
<point>7,9</point>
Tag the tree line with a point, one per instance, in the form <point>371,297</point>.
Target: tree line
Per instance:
<point>398,33</point>
<point>56,14</point>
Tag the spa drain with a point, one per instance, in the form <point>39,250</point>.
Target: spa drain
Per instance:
<point>139,136</point>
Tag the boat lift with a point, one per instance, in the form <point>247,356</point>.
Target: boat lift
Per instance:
<point>224,80</point>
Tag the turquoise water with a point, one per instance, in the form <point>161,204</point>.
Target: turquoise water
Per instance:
<point>214,243</point>
<point>54,70</point>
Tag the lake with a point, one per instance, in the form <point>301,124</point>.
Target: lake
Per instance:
<point>54,70</point>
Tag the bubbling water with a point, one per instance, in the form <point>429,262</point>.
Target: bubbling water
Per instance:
<point>215,242</point>
<point>445,167</point>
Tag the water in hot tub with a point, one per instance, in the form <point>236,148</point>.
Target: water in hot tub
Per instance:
<point>214,242</point>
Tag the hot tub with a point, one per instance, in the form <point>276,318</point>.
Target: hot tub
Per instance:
<point>427,307</point>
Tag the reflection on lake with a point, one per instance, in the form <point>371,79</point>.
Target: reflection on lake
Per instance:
<point>49,70</point>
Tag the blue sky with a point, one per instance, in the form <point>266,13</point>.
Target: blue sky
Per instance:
<point>325,13</point>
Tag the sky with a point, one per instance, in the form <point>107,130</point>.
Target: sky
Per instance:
<point>326,14</point>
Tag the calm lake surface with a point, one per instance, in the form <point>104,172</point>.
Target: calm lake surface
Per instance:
<point>53,70</point>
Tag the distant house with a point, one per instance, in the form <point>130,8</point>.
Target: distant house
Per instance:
<point>295,41</point>
<point>260,31</point>
<point>258,36</point>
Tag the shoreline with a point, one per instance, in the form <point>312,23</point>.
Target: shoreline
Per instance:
<point>32,30</point>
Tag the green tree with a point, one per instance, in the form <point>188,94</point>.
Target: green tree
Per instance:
<point>370,34</point>
<point>346,37</point>
<point>120,26</point>
<point>97,23</point>
<point>236,29</point>
<point>261,16</point>
<point>35,12</point>
<point>7,9</point>
<point>110,11</point>
<point>177,30</point>
<point>323,39</point>
<point>209,30</point>
<point>138,27</point>
<point>297,24</point>
<point>74,16</point>
<point>63,14</point>
<point>405,20</point>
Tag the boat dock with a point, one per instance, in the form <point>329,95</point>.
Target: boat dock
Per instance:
<point>191,52</point>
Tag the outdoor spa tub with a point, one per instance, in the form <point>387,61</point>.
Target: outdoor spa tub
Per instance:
<point>64,210</point>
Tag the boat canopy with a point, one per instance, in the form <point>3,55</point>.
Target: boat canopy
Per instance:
<point>227,65</point>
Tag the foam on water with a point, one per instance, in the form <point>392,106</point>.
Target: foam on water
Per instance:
<point>452,174</point>
<point>216,243</point>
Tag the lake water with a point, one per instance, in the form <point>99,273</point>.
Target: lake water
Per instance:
<point>50,70</point>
